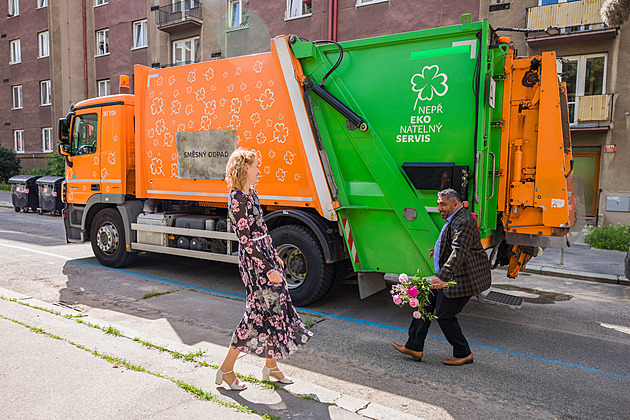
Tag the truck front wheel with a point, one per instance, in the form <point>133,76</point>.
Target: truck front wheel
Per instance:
<point>307,275</point>
<point>108,239</point>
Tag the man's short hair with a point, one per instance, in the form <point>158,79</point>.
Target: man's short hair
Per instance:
<point>450,193</point>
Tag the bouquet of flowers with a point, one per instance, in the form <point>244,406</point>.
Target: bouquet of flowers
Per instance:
<point>415,291</point>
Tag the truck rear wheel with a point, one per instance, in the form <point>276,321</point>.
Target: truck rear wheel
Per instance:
<point>108,239</point>
<point>307,275</point>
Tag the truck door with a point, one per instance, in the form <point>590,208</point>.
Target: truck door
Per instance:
<point>85,178</point>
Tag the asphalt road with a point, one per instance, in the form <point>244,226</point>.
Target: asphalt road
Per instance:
<point>562,355</point>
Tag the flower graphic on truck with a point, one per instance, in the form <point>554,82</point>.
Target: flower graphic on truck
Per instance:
<point>428,82</point>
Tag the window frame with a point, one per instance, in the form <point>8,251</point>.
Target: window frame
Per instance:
<point>21,140</point>
<point>142,22</point>
<point>42,3</point>
<point>194,51</point>
<point>106,33</point>
<point>15,53</point>
<point>45,94</point>
<point>242,23</point>
<point>103,84</point>
<point>361,3</point>
<point>20,99</point>
<point>48,140</point>
<point>15,5</point>
<point>98,3</point>
<point>302,14</point>
<point>580,79</point>
<point>40,35</point>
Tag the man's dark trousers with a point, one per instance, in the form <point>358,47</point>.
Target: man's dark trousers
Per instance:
<point>446,309</point>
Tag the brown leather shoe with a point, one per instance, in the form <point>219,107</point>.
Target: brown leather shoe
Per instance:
<point>458,361</point>
<point>405,350</point>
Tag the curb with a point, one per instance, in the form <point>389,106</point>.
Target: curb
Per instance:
<point>578,275</point>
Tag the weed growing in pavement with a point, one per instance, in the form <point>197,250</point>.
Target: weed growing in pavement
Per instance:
<point>307,397</point>
<point>309,324</point>
<point>154,294</point>
<point>613,237</point>
<point>113,331</point>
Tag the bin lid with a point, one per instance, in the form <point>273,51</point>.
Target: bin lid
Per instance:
<point>23,178</point>
<point>50,179</point>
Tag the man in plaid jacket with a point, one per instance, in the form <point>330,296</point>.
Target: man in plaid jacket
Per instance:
<point>460,258</point>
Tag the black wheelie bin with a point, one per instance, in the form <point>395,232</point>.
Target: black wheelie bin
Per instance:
<point>24,192</point>
<point>49,190</point>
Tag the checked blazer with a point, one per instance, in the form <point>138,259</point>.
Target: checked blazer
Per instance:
<point>462,257</point>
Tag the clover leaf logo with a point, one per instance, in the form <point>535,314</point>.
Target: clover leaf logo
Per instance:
<point>428,82</point>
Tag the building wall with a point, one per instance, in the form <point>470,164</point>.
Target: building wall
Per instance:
<point>28,73</point>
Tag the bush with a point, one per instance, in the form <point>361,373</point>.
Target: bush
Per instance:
<point>55,166</point>
<point>615,237</point>
<point>9,164</point>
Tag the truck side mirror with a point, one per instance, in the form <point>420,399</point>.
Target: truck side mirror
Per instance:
<point>63,130</point>
<point>64,150</point>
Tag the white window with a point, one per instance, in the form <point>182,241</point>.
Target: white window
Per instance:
<point>14,8</point>
<point>16,52</point>
<point>103,87</point>
<point>45,95</point>
<point>363,2</point>
<point>42,3</point>
<point>140,34</point>
<point>47,143</point>
<point>298,8</point>
<point>100,2</point>
<point>44,46</point>
<point>584,75</point>
<point>102,42</point>
<point>183,6</point>
<point>186,51</point>
<point>235,14</point>
<point>18,137</point>
<point>17,97</point>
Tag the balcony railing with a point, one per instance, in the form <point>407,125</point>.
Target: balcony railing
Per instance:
<point>594,108</point>
<point>563,15</point>
<point>179,15</point>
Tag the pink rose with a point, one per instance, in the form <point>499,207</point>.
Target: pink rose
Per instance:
<point>417,315</point>
<point>413,302</point>
<point>413,292</point>
<point>397,299</point>
<point>403,278</point>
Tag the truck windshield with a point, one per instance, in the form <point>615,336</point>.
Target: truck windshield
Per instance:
<point>84,134</point>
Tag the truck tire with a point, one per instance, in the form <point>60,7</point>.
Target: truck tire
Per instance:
<point>307,275</point>
<point>108,239</point>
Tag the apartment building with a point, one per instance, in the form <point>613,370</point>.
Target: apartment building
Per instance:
<point>592,62</point>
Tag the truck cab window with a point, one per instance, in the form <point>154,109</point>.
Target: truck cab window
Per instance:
<point>84,134</point>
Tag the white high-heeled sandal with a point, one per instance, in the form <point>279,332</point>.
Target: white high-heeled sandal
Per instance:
<point>266,372</point>
<point>235,386</point>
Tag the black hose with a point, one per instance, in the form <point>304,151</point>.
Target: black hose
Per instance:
<point>338,59</point>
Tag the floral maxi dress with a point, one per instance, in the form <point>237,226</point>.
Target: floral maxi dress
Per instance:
<point>270,327</point>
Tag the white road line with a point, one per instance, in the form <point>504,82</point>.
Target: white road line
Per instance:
<point>63,257</point>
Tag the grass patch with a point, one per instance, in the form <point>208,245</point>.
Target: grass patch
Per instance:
<point>613,237</point>
<point>5,187</point>
<point>309,324</point>
<point>154,294</point>
<point>113,331</point>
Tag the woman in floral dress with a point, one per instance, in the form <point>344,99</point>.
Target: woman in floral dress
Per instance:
<point>270,327</point>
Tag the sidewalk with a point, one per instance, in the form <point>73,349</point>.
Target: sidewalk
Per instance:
<point>56,363</point>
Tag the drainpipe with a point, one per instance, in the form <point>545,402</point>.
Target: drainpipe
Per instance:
<point>336,10</point>
<point>85,65</point>
<point>330,18</point>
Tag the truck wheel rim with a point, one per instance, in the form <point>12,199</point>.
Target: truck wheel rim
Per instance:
<point>295,267</point>
<point>107,238</point>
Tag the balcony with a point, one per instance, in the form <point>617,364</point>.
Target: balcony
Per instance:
<point>577,20</point>
<point>179,16</point>
<point>593,113</point>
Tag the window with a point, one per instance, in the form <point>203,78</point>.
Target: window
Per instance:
<point>18,138</point>
<point>186,51</point>
<point>298,8</point>
<point>183,6</point>
<point>84,134</point>
<point>42,3</point>
<point>363,2</point>
<point>44,88</point>
<point>102,42</point>
<point>547,2</point>
<point>100,2</point>
<point>47,143</point>
<point>14,8</point>
<point>103,87</point>
<point>235,14</point>
<point>584,75</point>
<point>140,34</point>
<point>17,97</point>
<point>16,52</point>
<point>44,50</point>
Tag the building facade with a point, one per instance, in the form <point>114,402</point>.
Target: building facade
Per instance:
<point>592,62</point>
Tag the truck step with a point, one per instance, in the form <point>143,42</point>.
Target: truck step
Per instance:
<point>502,299</point>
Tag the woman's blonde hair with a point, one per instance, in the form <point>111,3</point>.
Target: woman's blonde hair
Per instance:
<point>236,169</point>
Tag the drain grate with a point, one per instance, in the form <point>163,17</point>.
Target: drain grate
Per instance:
<point>503,299</point>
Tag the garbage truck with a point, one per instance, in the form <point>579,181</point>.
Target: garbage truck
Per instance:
<point>354,139</point>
